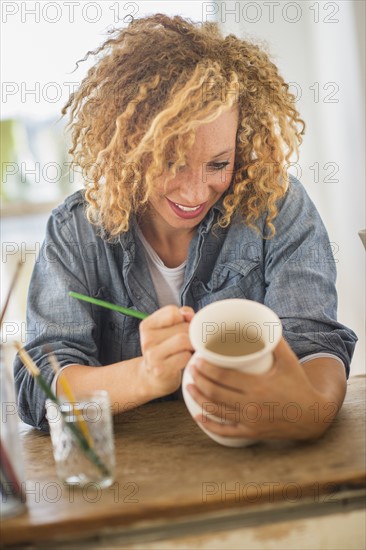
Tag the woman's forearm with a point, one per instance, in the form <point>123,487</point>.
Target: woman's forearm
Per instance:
<point>328,377</point>
<point>124,381</point>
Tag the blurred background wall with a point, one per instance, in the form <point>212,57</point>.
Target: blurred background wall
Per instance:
<point>319,47</point>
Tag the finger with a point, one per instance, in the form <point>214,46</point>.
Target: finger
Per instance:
<point>175,344</point>
<point>150,337</point>
<point>215,392</point>
<point>231,421</point>
<point>187,312</point>
<point>159,353</point>
<point>166,316</point>
<point>216,375</point>
<point>233,379</point>
<point>221,411</point>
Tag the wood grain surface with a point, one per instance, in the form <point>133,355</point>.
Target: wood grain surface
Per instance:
<point>168,469</point>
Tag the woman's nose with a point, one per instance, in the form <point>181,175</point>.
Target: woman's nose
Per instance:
<point>194,188</point>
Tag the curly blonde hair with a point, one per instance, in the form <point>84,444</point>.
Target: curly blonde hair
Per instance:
<point>139,106</point>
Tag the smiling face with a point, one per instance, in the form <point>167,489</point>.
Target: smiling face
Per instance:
<point>199,184</point>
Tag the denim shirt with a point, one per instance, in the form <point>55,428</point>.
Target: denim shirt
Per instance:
<point>293,273</point>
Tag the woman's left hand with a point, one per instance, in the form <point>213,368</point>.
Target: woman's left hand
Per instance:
<point>279,404</point>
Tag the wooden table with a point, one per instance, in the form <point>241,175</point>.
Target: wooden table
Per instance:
<point>176,488</point>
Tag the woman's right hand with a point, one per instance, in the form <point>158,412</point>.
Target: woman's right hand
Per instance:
<point>166,348</point>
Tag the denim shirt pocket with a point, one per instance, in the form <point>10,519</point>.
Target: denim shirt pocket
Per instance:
<point>238,279</point>
<point>119,334</point>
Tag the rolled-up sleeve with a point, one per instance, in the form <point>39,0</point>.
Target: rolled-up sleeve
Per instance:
<point>300,276</point>
<point>55,322</point>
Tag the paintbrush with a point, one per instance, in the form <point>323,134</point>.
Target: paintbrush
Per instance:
<point>109,305</point>
<point>36,373</point>
<point>70,396</point>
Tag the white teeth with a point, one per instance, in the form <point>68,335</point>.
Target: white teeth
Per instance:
<point>186,208</point>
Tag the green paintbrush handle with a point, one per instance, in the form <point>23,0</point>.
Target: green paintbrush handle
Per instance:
<point>90,453</point>
<point>109,305</point>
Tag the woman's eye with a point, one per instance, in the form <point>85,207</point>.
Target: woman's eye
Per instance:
<point>215,166</point>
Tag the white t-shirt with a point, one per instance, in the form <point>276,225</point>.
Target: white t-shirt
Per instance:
<point>168,281</point>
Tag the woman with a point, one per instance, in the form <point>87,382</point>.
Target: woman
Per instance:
<point>183,137</point>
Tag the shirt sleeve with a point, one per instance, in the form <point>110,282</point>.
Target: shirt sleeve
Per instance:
<point>319,356</point>
<point>55,322</point>
<point>56,377</point>
<point>300,276</point>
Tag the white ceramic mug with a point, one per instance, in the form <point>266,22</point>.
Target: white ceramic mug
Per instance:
<point>223,326</point>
